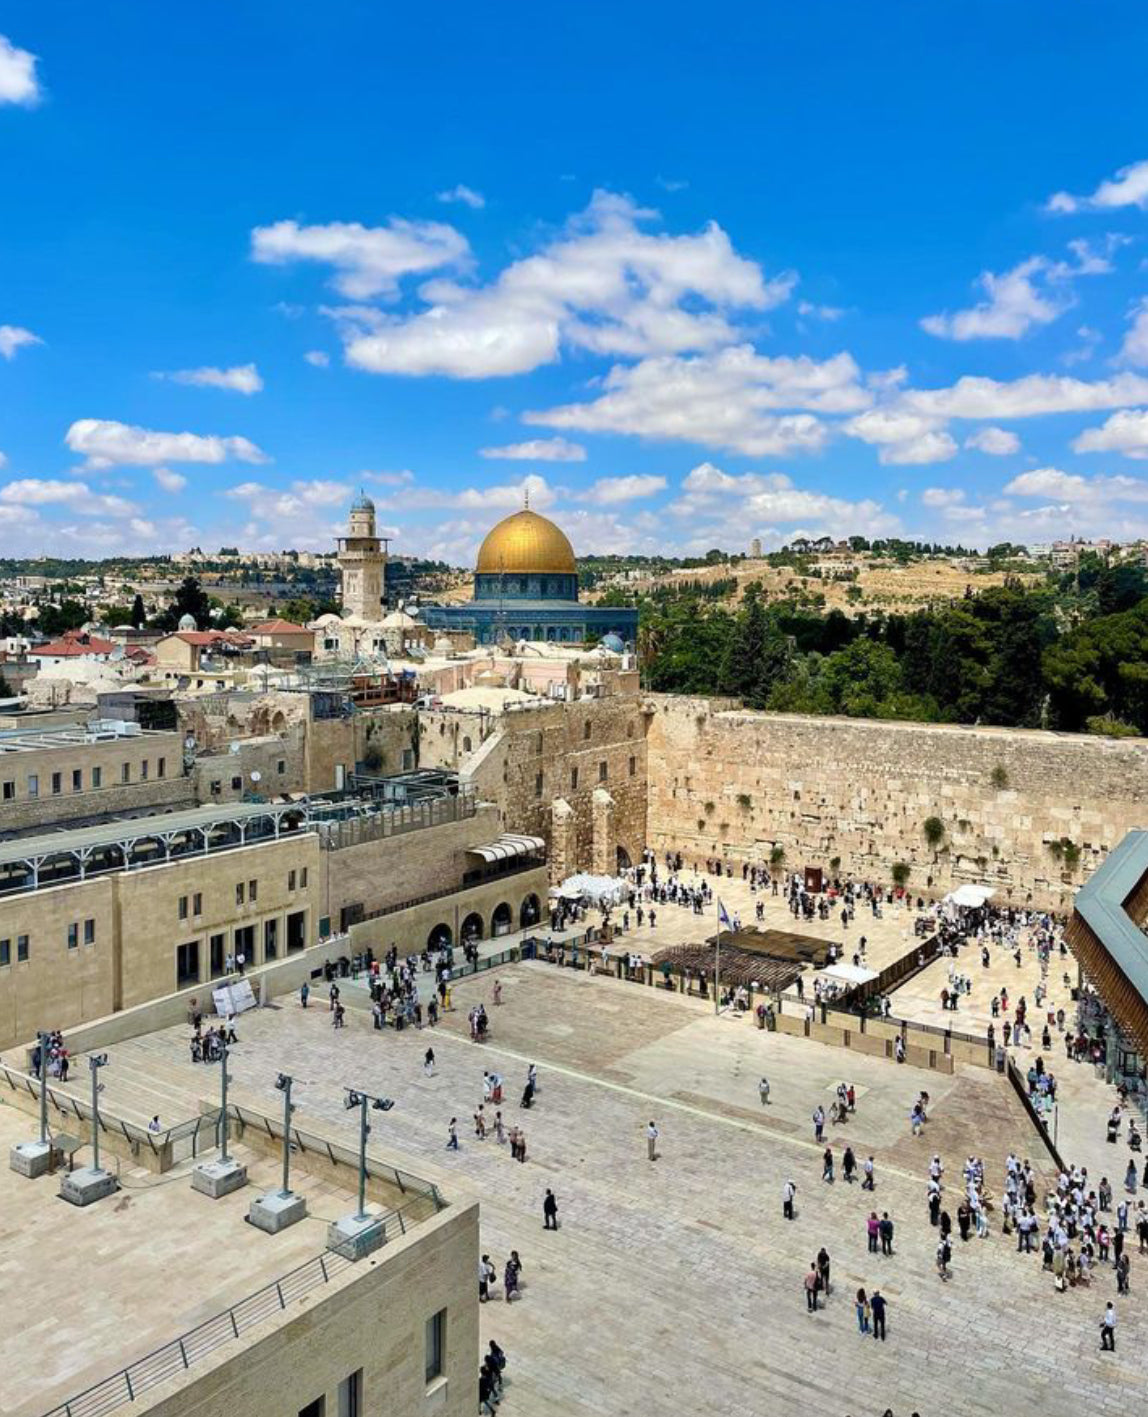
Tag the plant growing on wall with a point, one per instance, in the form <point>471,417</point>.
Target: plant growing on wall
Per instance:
<point>934,830</point>
<point>999,777</point>
<point>777,856</point>
<point>835,863</point>
<point>901,871</point>
<point>1071,854</point>
<point>744,800</point>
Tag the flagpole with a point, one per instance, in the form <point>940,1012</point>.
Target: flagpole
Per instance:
<point>717,960</point>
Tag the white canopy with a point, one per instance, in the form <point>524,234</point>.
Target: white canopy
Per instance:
<point>599,888</point>
<point>508,844</point>
<point>970,895</point>
<point>848,973</point>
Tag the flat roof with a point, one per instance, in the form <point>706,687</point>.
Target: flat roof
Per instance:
<point>111,833</point>
<point>75,735</point>
<point>1100,904</point>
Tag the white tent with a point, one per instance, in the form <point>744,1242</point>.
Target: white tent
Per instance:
<point>597,888</point>
<point>970,895</point>
<point>848,973</point>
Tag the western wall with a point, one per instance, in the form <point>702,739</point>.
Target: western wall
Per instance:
<point>1030,812</point>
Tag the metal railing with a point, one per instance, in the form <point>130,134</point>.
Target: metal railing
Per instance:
<point>395,819</point>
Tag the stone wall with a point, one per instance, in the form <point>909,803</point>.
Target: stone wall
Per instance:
<point>568,751</point>
<point>738,784</point>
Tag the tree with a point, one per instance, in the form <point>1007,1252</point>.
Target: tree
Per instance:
<point>68,615</point>
<point>139,613</point>
<point>117,615</point>
<point>190,599</point>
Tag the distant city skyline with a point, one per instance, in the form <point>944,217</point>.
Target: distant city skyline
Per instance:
<point>817,275</point>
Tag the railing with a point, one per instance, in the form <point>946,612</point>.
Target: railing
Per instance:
<point>517,865</point>
<point>67,1106</point>
<point>479,966</point>
<point>1020,1087</point>
<point>395,819</point>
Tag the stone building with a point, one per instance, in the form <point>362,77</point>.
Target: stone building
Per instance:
<point>362,563</point>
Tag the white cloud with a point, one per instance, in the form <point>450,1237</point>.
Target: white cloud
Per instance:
<point>603,285</point>
<point>241,379</point>
<point>537,450</point>
<point>1027,397</point>
<point>464,194</point>
<point>388,479</point>
<point>18,80</point>
<point>903,437</point>
<point>318,357</point>
<point>1129,188</point>
<point>1014,305</point>
<point>942,496</point>
<point>1134,350</point>
<point>170,481</point>
<point>106,443</point>
<point>672,184</point>
<point>78,496</point>
<point>309,513</point>
<point>996,442</point>
<point>609,491</point>
<point>369,261</point>
<point>1125,432</point>
<point>820,312</point>
<point>1072,488</point>
<point>724,400</point>
<point>13,337</point>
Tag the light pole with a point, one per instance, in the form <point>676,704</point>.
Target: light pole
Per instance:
<point>223,1081</point>
<point>95,1062</point>
<point>364,1101</point>
<point>283,1082</point>
<point>44,1039</point>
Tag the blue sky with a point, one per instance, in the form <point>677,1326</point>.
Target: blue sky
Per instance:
<point>694,276</point>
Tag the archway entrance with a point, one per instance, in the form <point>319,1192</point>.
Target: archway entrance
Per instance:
<point>624,862</point>
<point>530,912</point>
<point>439,937</point>
<point>502,920</point>
<point>472,928</point>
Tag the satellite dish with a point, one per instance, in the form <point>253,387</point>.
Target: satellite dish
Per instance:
<point>256,775</point>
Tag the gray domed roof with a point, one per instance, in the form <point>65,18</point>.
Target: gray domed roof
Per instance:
<point>362,503</point>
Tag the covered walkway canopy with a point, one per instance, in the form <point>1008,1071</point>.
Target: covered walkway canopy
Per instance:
<point>507,847</point>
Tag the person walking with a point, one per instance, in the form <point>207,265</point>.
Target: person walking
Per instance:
<point>486,1275</point>
<point>452,1135</point>
<point>549,1211</point>
<point>878,1306</point>
<point>788,1193</point>
<point>818,1122</point>
<point>862,1307</point>
<point>944,1254</point>
<point>811,1288</point>
<point>304,993</point>
<point>848,1164</point>
<point>869,1183</point>
<point>873,1229</point>
<point>652,1141</point>
<point>1108,1329</point>
<point>763,1091</point>
<point>823,1269</point>
<point>428,1063</point>
<point>827,1165</point>
<point>886,1233</point>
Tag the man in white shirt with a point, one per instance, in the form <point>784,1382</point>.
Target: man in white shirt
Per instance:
<point>1108,1330</point>
<point>788,1192</point>
<point>652,1142</point>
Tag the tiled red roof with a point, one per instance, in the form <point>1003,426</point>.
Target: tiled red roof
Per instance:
<point>73,643</point>
<point>278,627</point>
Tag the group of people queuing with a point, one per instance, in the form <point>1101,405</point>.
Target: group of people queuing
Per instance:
<point>58,1059</point>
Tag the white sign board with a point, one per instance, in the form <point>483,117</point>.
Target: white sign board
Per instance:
<point>233,998</point>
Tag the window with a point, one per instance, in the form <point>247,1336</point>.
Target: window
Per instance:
<point>73,935</point>
<point>303,878</point>
<point>21,948</point>
<point>187,964</point>
<point>586,729</point>
<point>33,784</point>
<point>281,765</point>
<point>89,932</point>
<point>351,1395</point>
<point>97,777</point>
<point>9,791</point>
<point>436,1345</point>
<point>5,953</point>
<point>216,788</point>
<point>143,771</point>
<point>573,779</point>
<point>603,772</point>
<point>125,772</point>
<point>183,907</point>
<point>253,891</point>
<point>538,785</point>
<point>197,904</point>
<point>239,893</point>
<point>57,784</point>
<point>77,779</point>
<point>236,784</point>
<point>290,880</point>
<point>161,767</point>
<point>633,766</point>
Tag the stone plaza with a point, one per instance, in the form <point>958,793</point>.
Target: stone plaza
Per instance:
<point>678,1282</point>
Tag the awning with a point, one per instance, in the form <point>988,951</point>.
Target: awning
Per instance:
<point>848,973</point>
<point>507,846</point>
<point>970,895</point>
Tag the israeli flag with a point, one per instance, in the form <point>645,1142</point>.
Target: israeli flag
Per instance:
<point>723,918</point>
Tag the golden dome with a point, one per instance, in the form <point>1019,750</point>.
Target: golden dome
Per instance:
<point>526,542</point>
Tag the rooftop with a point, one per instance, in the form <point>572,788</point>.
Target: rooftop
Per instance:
<point>71,735</point>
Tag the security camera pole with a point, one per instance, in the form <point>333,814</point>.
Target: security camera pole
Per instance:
<point>223,1175</point>
<point>91,1183</point>
<point>359,1234</point>
<point>275,1210</point>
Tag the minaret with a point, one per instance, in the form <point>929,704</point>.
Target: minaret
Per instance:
<point>362,562</point>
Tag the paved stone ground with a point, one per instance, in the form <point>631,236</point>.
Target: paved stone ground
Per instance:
<point>677,1285</point>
